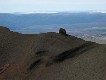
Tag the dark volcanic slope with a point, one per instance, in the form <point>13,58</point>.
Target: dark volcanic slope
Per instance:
<point>50,56</point>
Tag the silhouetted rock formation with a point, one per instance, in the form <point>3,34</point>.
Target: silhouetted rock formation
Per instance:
<point>62,31</point>
<point>50,56</point>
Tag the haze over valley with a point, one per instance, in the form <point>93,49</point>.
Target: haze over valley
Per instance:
<point>86,25</point>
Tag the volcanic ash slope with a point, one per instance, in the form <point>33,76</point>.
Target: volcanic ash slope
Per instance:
<point>50,56</point>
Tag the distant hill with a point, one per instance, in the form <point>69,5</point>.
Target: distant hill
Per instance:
<point>86,25</point>
<point>17,21</point>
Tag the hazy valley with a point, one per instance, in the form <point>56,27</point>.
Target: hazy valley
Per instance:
<point>89,26</point>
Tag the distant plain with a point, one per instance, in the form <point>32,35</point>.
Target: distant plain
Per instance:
<point>86,25</point>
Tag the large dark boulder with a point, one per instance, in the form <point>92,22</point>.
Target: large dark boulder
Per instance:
<point>62,31</point>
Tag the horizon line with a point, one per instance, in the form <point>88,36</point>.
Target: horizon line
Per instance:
<point>31,12</point>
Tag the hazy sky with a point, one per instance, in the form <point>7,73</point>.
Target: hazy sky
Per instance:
<point>51,5</point>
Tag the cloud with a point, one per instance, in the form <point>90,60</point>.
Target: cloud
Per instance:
<point>55,5</point>
<point>52,1</point>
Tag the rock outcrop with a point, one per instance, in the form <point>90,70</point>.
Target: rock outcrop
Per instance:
<point>62,31</point>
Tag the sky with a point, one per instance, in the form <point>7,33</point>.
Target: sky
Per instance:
<point>10,6</point>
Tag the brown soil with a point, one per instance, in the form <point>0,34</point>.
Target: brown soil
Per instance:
<point>50,56</point>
